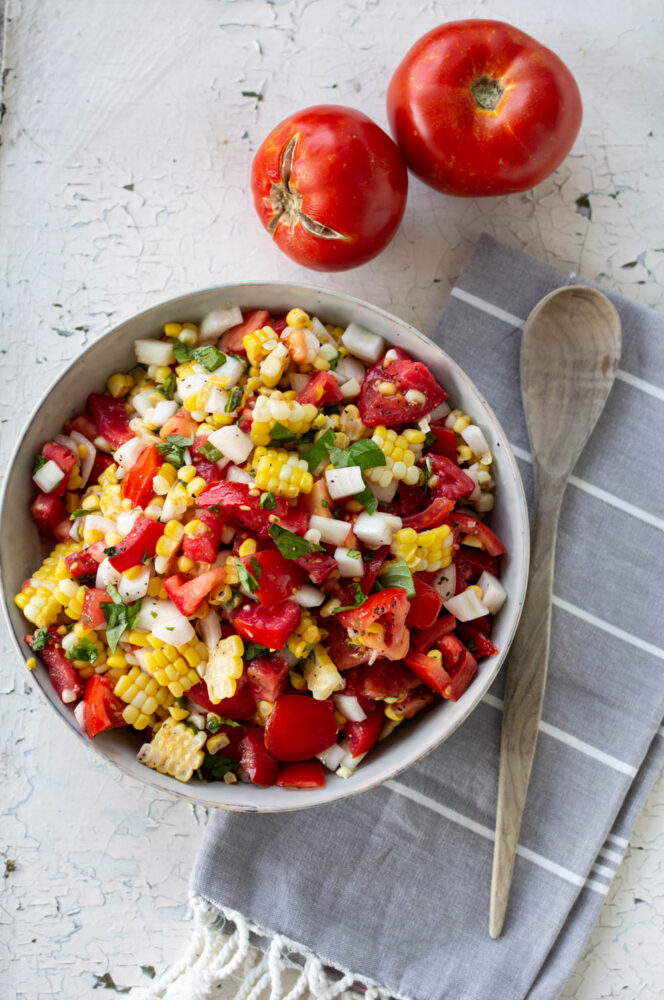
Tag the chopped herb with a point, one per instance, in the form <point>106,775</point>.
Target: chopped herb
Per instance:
<point>319,449</point>
<point>153,614</point>
<point>360,598</point>
<point>119,617</point>
<point>364,453</point>
<point>111,551</point>
<point>170,628</point>
<point>472,645</point>
<point>333,362</point>
<point>247,578</point>
<point>256,566</point>
<point>282,434</point>
<point>40,639</point>
<point>213,723</point>
<point>85,651</point>
<point>397,574</point>
<point>181,702</point>
<point>82,511</point>
<point>367,499</point>
<point>211,453</point>
<point>244,361</point>
<point>192,725</point>
<point>354,554</point>
<point>230,722</point>
<point>290,545</point>
<point>182,352</point>
<point>215,509</point>
<point>235,399</point>
<point>325,504</point>
<point>429,439</point>
<point>216,766</point>
<point>39,462</point>
<point>268,501</point>
<point>173,449</point>
<point>209,356</point>
<point>145,558</point>
<point>167,387</point>
<point>254,649</point>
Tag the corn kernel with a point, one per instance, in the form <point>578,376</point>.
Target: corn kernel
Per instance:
<point>247,548</point>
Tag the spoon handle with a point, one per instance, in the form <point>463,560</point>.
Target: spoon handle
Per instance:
<point>524,692</point>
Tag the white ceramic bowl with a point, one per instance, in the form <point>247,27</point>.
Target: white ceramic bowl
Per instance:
<point>20,546</point>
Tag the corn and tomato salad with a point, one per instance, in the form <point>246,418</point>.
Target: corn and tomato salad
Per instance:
<point>268,548</point>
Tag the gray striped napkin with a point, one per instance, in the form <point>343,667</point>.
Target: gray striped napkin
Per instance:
<point>394,885</point>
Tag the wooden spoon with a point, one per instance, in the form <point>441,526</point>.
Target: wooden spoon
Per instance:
<point>569,354</point>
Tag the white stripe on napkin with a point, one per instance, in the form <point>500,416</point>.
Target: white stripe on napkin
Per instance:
<point>619,633</point>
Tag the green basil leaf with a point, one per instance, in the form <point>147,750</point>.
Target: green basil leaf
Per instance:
<point>167,387</point>
<point>39,462</point>
<point>40,639</point>
<point>397,574</point>
<point>282,434</point>
<point>319,449</point>
<point>216,766</point>
<point>234,400</point>
<point>209,356</point>
<point>82,511</point>
<point>268,501</point>
<point>367,499</point>
<point>247,578</point>
<point>360,598</point>
<point>181,352</point>
<point>364,453</point>
<point>211,453</point>
<point>85,651</point>
<point>180,441</point>
<point>254,649</point>
<point>290,545</point>
<point>119,617</point>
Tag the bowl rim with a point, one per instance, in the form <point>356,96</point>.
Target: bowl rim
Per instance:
<point>345,790</point>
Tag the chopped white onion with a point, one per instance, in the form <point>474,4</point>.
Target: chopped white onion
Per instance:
<point>162,411</point>
<point>439,412</point>
<point>493,592</point>
<point>308,596</point>
<point>344,482</point>
<point>90,455</point>
<point>348,762</point>
<point>235,475</point>
<point>190,384</point>
<point>79,715</point>
<point>210,629</point>
<point>126,520</point>
<point>107,574</point>
<point>331,531</point>
<point>154,352</point>
<point>127,454</point>
<point>349,565</point>
<point>95,522</point>
<point>49,477</point>
<point>385,494</point>
<point>298,381</point>
<point>173,509</point>
<point>165,622</point>
<point>473,473</point>
<point>67,442</point>
<point>477,443</point>
<point>216,401</point>
<point>217,322</point>
<point>232,442</point>
<point>75,530</point>
<point>350,389</point>
<point>142,402</point>
<point>377,529</point>
<point>466,606</point>
<point>349,706</point>
<point>136,588</point>
<point>445,582</point>
<point>349,368</point>
<point>362,343</point>
<point>332,757</point>
<point>232,369</point>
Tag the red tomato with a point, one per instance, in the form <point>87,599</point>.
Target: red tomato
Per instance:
<point>257,761</point>
<point>330,187</point>
<point>204,548</point>
<point>269,627</point>
<point>322,389</point>
<point>81,423</point>
<point>318,565</point>
<point>102,708</point>
<point>406,376</point>
<point>480,108</point>
<point>466,524</point>
<point>100,463</point>
<point>451,482</point>
<point>181,423</point>
<point>384,679</point>
<point>428,637</point>
<point>268,677</point>
<point>461,666</point>
<point>47,512</point>
<point>372,567</point>
<point>110,418</point>
<point>425,606</point>
<point>63,458</point>
<point>186,594</point>
<point>92,614</point>
<point>231,341</point>
<point>62,674</point>
<point>278,577</point>
<point>445,443</point>
<point>81,564</point>
<point>299,727</point>
<point>237,505</point>
<point>418,699</point>
<point>301,774</point>
<point>343,654</point>
<point>362,736</point>
<point>242,705</point>
<point>431,517</point>
<point>138,545</point>
<point>137,484</point>
<point>388,608</point>
<point>476,642</point>
<point>430,670</point>
<point>471,563</point>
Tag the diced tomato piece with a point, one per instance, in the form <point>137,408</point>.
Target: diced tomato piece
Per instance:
<point>241,706</point>
<point>256,759</point>
<point>81,564</point>
<point>460,664</point>
<point>278,577</point>
<point>427,639</point>
<point>63,458</point>
<point>237,505</point>
<point>83,425</point>
<point>268,677</point>
<point>100,464</point>
<point>452,482</point>
<point>110,418</point>
<point>279,325</point>
<point>301,774</point>
<point>251,321</point>
<point>291,518</point>
<point>97,551</point>
<point>140,544</point>
<point>343,654</point>
<point>246,417</point>
<point>389,609</point>
<point>476,642</point>
<point>188,594</point>
<point>431,517</point>
<point>47,512</point>
<point>409,500</point>
<point>181,423</point>
<point>269,627</point>
<point>404,374</point>
<point>466,524</point>
<point>204,548</point>
<point>318,565</point>
<point>198,693</point>
<point>430,670</point>
<point>425,606</point>
<point>484,624</point>
<point>384,679</point>
<point>417,700</point>
<point>103,709</point>
<point>93,613</point>
<point>299,727</point>
<point>362,736</point>
<point>322,389</point>
<point>445,443</point>
<point>471,563</point>
<point>62,674</point>
<point>372,567</point>
<point>209,471</point>
<point>235,735</point>
<point>317,501</point>
<point>137,483</point>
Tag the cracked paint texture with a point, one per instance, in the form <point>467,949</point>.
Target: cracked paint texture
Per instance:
<point>126,145</point>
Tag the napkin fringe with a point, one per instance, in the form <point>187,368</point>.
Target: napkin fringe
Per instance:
<point>211,958</point>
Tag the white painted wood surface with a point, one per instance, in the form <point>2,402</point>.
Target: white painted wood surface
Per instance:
<point>126,144</point>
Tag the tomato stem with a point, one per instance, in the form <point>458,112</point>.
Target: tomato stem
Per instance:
<point>487,93</point>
